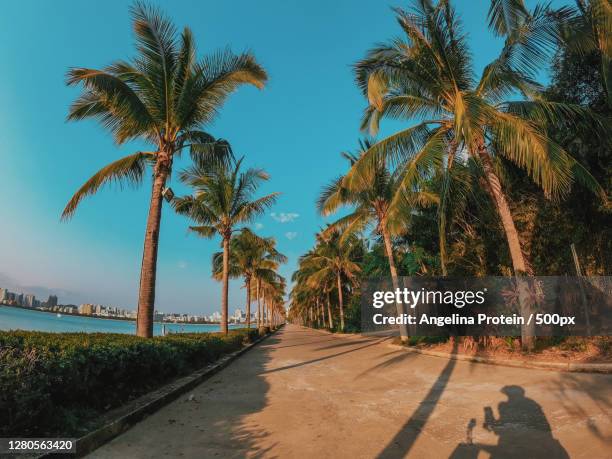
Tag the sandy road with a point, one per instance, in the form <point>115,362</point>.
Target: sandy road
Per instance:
<point>308,394</point>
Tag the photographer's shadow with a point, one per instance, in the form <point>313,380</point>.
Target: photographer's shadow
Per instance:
<point>522,429</point>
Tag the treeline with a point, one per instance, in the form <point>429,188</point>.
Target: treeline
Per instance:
<point>494,174</point>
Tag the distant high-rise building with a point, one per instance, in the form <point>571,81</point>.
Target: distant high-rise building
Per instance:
<point>19,299</point>
<point>3,294</point>
<point>29,301</point>
<point>52,301</point>
<point>86,309</point>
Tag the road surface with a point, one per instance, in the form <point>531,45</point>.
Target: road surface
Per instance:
<point>308,394</point>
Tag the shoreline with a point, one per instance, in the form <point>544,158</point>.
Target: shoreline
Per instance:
<point>122,319</point>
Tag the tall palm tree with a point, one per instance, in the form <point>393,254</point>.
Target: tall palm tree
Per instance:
<point>250,254</point>
<point>303,295</point>
<point>273,293</point>
<point>264,273</point>
<point>222,199</point>
<point>335,257</point>
<point>377,198</point>
<point>164,96</point>
<point>429,76</point>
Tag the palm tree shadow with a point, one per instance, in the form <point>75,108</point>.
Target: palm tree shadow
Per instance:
<point>305,343</point>
<point>405,438</point>
<point>321,359</point>
<point>345,344</point>
<point>400,356</point>
<point>590,385</point>
<point>216,421</point>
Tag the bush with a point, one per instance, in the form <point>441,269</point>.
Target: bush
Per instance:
<point>55,383</point>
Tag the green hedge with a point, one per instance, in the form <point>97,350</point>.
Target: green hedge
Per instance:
<point>58,383</point>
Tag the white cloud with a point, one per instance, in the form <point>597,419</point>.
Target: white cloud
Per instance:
<point>291,235</point>
<point>258,226</point>
<point>284,217</point>
<point>182,265</point>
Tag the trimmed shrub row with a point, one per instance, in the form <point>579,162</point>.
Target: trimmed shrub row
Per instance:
<point>58,383</point>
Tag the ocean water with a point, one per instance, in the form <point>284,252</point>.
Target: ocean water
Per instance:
<point>25,319</point>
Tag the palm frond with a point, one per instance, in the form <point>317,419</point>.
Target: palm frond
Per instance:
<point>505,16</point>
<point>110,100</point>
<point>250,210</point>
<point>213,79</point>
<point>205,231</point>
<point>129,169</point>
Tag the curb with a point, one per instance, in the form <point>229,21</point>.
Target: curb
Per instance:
<point>124,417</point>
<point>603,368</point>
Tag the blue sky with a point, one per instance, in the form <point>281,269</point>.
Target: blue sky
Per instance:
<point>294,129</point>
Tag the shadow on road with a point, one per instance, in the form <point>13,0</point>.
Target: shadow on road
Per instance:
<point>522,429</point>
<point>215,423</point>
<point>345,343</point>
<point>400,356</point>
<point>306,343</point>
<point>404,440</point>
<point>320,359</point>
<point>568,385</point>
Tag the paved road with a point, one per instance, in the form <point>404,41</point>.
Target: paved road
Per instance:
<point>308,394</point>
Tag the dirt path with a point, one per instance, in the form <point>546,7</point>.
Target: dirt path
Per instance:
<point>308,394</point>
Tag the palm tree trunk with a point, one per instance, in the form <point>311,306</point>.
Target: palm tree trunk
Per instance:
<point>322,313</point>
<point>225,287</point>
<point>258,304</point>
<point>269,316</point>
<point>394,279</point>
<point>148,270</point>
<point>248,305</point>
<point>340,302</point>
<point>519,263</point>
<point>329,312</point>
<point>442,242</point>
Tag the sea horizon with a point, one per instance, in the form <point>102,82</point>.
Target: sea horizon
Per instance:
<point>14,318</point>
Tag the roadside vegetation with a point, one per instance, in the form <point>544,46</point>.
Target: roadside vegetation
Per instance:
<point>59,384</point>
<point>494,174</point>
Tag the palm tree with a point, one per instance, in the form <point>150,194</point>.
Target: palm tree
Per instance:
<point>222,200</point>
<point>583,29</point>
<point>273,293</point>
<point>303,296</point>
<point>307,302</point>
<point>335,257</point>
<point>588,30</point>
<point>166,97</point>
<point>377,198</point>
<point>429,76</point>
<point>250,255</point>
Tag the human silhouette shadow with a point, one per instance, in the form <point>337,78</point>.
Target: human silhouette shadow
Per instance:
<point>522,428</point>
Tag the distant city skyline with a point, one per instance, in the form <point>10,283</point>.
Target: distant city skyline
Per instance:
<point>53,304</point>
